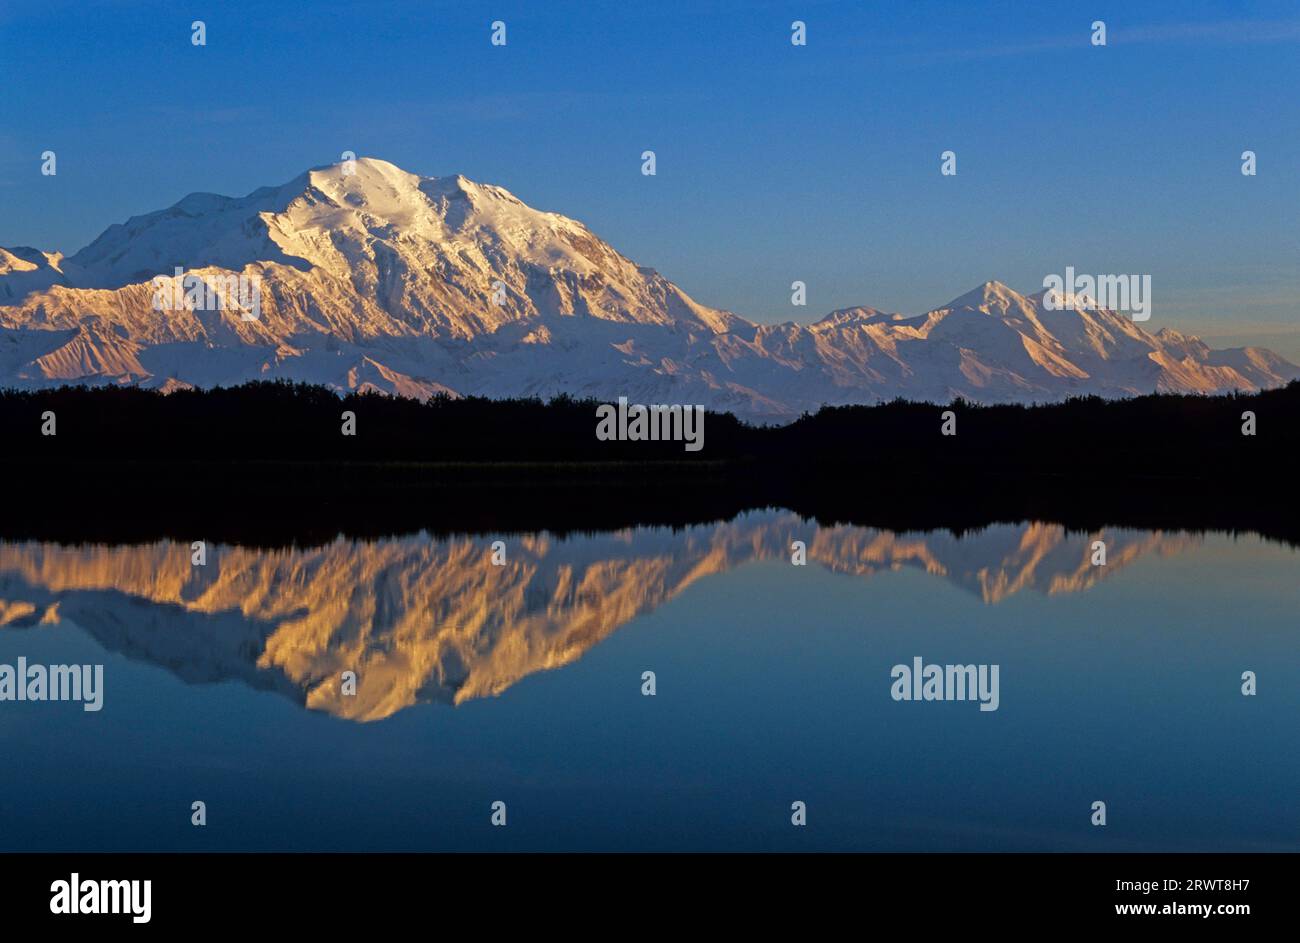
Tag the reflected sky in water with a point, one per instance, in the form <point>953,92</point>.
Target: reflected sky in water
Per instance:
<point>523,683</point>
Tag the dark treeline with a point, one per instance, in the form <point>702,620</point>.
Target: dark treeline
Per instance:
<point>268,463</point>
<point>297,422</point>
<point>1160,436</point>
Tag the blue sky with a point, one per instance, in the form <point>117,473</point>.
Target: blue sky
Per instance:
<point>775,162</point>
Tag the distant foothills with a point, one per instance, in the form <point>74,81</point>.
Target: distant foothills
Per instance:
<point>271,461</point>
<point>361,276</point>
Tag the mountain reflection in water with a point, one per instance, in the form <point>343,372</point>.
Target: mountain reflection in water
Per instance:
<point>429,620</point>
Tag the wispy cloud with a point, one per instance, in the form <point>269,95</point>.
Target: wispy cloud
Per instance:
<point>194,115</point>
<point>1221,33</point>
<point>1228,32</point>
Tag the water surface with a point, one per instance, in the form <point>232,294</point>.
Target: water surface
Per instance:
<point>523,683</point>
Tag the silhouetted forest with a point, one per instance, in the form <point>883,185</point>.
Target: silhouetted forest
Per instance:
<point>267,462</point>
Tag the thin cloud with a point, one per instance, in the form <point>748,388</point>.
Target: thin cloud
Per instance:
<point>1230,32</point>
<point>1223,33</point>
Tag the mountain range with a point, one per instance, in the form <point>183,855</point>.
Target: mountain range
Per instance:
<point>373,278</point>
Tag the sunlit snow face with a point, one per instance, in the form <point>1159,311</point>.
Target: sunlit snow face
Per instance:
<point>362,275</point>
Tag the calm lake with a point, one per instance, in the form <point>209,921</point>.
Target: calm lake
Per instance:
<point>523,683</point>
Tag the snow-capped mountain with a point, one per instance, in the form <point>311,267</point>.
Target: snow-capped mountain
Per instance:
<point>369,277</point>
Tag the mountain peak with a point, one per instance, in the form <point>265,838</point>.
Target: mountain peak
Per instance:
<point>377,184</point>
<point>357,182</point>
<point>363,168</point>
<point>990,296</point>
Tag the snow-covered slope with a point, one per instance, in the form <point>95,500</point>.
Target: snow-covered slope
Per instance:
<point>374,278</point>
